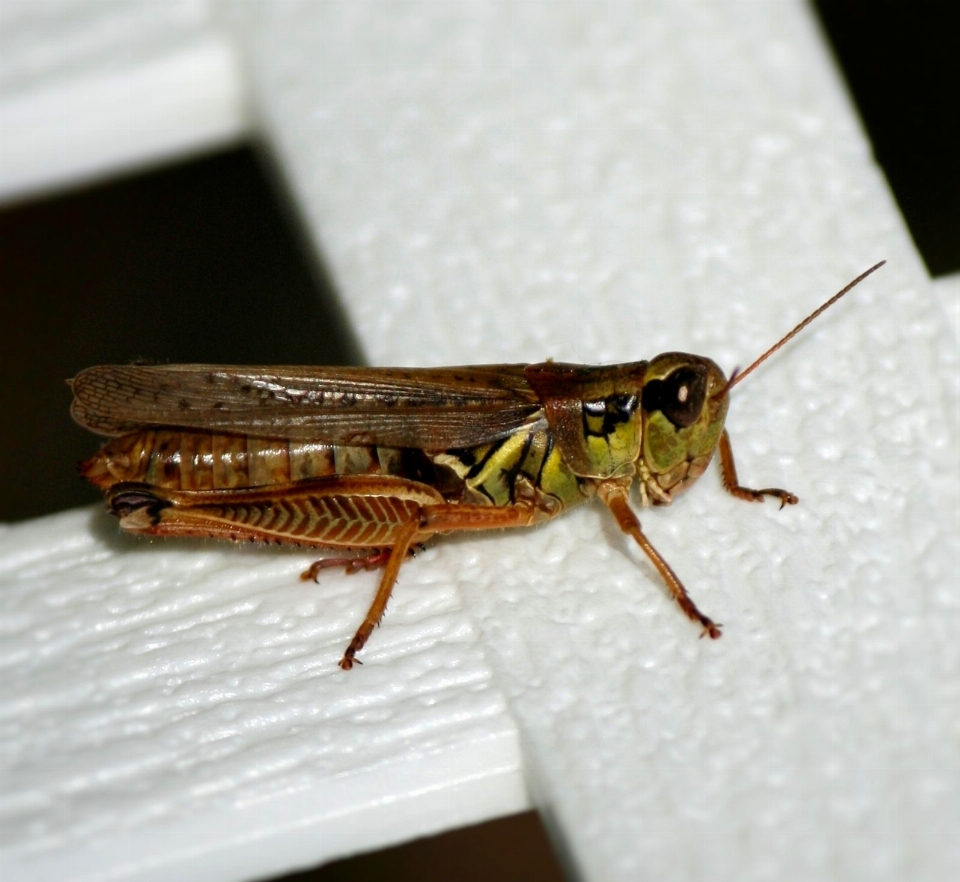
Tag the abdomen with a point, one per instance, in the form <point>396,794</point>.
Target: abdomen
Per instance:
<point>525,467</point>
<point>184,460</point>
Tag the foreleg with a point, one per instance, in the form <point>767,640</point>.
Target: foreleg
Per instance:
<point>728,472</point>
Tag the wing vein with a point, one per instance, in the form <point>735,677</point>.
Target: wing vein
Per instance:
<point>430,408</point>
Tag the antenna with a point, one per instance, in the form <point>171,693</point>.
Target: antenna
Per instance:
<point>737,377</point>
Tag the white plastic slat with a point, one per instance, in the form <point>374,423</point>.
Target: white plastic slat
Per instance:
<point>587,182</point>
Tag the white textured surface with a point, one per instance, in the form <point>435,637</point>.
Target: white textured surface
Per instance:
<point>178,712</point>
<point>587,182</point>
<point>88,89</point>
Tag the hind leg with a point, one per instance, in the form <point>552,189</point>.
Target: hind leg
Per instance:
<point>395,557</point>
<point>371,560</point>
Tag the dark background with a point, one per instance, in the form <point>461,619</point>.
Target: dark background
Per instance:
<point>197,262</point>
<point>206,261</point>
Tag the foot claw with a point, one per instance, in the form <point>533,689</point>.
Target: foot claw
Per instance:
<point>711,629</point>
<point>785,496</point>
<point>788,499</point>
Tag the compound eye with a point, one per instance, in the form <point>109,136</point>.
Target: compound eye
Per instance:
<point>679,396</point>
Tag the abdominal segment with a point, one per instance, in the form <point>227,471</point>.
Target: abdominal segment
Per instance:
<point>186,460</point>
<point>523,469</point>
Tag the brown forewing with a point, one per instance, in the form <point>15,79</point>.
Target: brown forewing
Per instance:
<point>431,408</point>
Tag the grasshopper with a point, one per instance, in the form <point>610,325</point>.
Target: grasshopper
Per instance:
<point>379,460</point>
